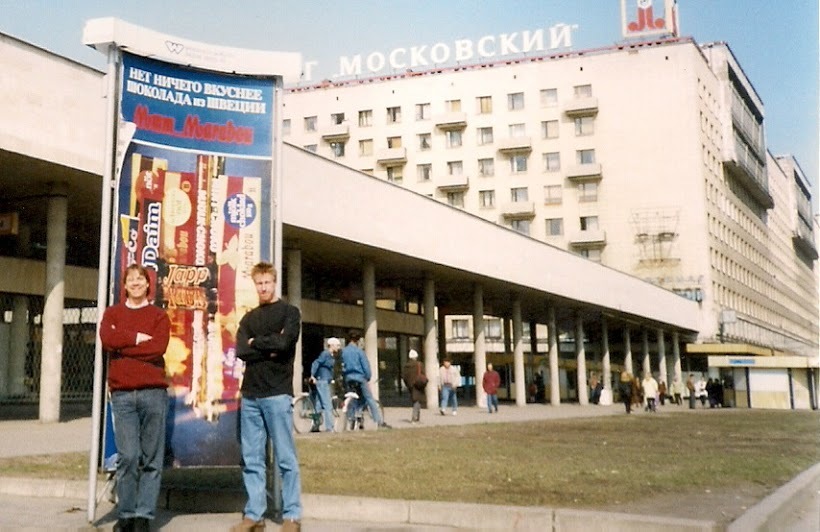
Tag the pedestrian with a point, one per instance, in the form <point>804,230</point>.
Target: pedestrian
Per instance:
<point>357,375</point>
<point>677,391</point>
<point>595,389</point>
<point>662,392</point>
<point>625,390</point>
<point>416,382</point>
<point>135,335</point>
<point>700,388</point>
<point>490,383</point>
<point>266,342</point>
<point>650,391</point>
<point>448,383</point>
<point>690,387</point>
<point>321,375</point>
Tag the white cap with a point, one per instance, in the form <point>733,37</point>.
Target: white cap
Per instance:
<point>413,354</point>
<point>333,341</point>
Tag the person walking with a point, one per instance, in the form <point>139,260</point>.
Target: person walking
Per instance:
<point>266,342</point>
<point>490,383</point>
<point>416,381</point>
<point>357,375</point>
<point>321,375</point>
<point>449,381</point>
<point>135,335</point>
<point>677,391</point>
<point>690,387</point>
<point>650,391</point>
<point>625,390</point>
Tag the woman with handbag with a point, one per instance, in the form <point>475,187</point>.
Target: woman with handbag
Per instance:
<point>416,381</point>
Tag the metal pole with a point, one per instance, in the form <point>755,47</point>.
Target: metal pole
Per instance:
<point>102,280</point>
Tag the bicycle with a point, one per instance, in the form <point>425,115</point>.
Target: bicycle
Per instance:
<point>351,400</point>
<point>307,418</point>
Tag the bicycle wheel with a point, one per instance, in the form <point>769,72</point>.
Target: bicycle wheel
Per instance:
<point>303,414</point>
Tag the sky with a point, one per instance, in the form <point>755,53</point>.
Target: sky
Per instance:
<point>775,42</point>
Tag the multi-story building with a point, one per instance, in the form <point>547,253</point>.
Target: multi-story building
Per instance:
<point>648,157</point>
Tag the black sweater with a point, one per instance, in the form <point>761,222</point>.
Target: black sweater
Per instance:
<point>274,328</point>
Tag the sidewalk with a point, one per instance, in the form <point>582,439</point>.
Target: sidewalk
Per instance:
<point>57,504</point>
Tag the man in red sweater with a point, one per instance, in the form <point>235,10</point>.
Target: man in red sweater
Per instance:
<point>490,383</point>
<point>135,334</point>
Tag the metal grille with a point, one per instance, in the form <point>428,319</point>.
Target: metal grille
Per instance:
<point>21,342</point>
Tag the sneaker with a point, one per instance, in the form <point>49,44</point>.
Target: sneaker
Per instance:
<point>454,412</point>
<point>441,410</point>
<point>249,525</point>
<point>142,524</point>
<point>291,525</point>
<point>124,525</point>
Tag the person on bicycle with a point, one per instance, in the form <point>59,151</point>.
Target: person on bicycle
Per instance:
<point>356,373</point>
<point>321,374</point>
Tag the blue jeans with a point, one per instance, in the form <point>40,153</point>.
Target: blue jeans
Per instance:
<point>325,404</point>
<point>365,398</point>
<point>260,419</point>
<point>139,432</point>
<point>448,393</point>
<point>492,402</point>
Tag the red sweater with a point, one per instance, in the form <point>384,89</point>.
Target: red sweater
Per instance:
<point>132,366</point>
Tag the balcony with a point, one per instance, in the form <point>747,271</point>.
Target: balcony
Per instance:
<point>336,133</point>
<point>392,156</point>
<point>581,107</point>
<point>453,183</point>
<point>588,238</point>
<point>515,145</point>
<point>585,171</point>
<point>451,121</point>
<point>748,172</point>
<point>518,210</point>
<point>803,241</point>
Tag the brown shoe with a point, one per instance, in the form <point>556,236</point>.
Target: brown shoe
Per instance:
<point>249,525</point>
<point>291,525</point>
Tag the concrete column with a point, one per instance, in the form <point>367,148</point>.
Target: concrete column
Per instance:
<point>294,262</point>
<point>51,366</point>
<point>605,360</point>
<point>677,374</point>
<point>647,363</point>
<point>371,333</point>
<point>430,343</point>
<point>479,344</point>
<point>628,351</point>
<point>18,346</point>
<point>533,341</point>
<point>581,358</point>
<point>662,358</point>
<point>518,354</point>
<point>552,341</point>
<point>5,343</point>
<point>507,334</point>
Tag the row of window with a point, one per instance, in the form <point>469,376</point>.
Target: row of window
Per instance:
<point>553,194</point>
<point>484,105</point>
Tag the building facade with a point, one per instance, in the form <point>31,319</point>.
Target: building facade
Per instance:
<point>648,157</point>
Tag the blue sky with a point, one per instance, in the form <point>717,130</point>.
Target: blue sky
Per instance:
<point>776,42</point>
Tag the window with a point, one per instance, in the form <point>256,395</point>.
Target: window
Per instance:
<point>452,106</point>
<point>395,174</point>
<point>337,118</point>
<point>366,147</point>
<point>552,161</point>
<point>589,223</point>
<point>394,142</point>
<point>486,167</point>
<point>583,91</point>
<point>552,194</point>
<point>453,138</point>
<point>286,127</point>
<point>486,198</point>
<point>393,115</point>
<point>310,123</point>
<point>461,329</point>
<point>494,328</point>
<point>519,194</point>
<point>549,129</point>
<point>592,254</point>
<point>485,135</point>
<point>518,163</point>
<point>588,191</point>
<point>456,199</point>
<point>310,147</point>
<point>485,104</point>
<point>584,125</point>
<point>515,101</point>
<point>549,97</point>
<point>366,118</point>
<point>518,130</point>
<point>455,168</point>
<point>338,149</point>
<point>424,172</point>
<point>585,156</point>
<point>424,141</point>
<point>522,226</point>
<point>422,111</point>
<point>555,226</point>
